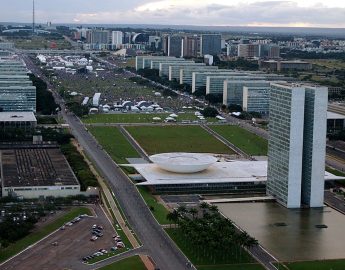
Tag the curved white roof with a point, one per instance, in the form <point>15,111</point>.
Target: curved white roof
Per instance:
<point>183,162</point>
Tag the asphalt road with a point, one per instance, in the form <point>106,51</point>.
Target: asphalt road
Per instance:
<point>333,201</point>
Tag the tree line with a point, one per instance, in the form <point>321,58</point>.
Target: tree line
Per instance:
<point>210,235</point>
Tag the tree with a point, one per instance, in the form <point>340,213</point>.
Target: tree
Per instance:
<point>78,109</point>
<point>209,112</point>
<point>193,212</point>
<point>201,91</point>
<point>181,209</point>
<point>172,217</point>
<point>234,108</point>
<point>214,98</point>
<point>44,98</point>
<point>204,206</point>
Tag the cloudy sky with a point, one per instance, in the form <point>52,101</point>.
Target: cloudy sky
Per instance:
<point>306,13</point>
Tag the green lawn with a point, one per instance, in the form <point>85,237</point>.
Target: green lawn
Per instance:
<point>118,229</point>
<point>114,143</point>
<point>243,139</point>
<point>334,171</point>
<point>159,211</point>
<point>36,236</point>
<point>105,256</point>
<point>132,263</point>
<point>219,258</point>
<point>162,139</point>
<point>317,265</point>
<point>337,173</point>
<point>40,43</point>
<point>242,266</point>
<point>136,118</point>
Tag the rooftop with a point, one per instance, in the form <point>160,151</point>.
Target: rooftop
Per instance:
<point>24,167</point>
<point>17,117</point>
<point>219,172</point>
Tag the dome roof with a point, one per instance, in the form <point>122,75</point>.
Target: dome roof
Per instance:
<point>183,162</point>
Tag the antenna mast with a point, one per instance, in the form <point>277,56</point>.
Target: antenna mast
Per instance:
<point>33,17</point>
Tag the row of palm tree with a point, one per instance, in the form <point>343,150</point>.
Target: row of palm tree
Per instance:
<point>209,235</point>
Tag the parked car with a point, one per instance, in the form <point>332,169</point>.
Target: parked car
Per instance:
<point>93,238</point>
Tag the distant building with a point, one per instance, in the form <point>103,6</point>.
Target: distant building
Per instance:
<point>155,43</point>
<point>210,44</point>
<point>274,65</point>
<point>248,50</point>
<point>297,143</point>
<point>175,46</point>
<point>208,59</point>
<point>270,51</point>
<point>116,39</point>
<point>191,46</point>
<point>100,39</point>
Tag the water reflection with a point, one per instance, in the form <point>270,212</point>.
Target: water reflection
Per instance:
<point>291,234</point>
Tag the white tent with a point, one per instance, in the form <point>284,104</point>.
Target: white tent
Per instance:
<point>170,119</point>
<point>220,117</point>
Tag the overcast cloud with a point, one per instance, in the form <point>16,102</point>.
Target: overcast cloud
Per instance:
<point>313,13</point>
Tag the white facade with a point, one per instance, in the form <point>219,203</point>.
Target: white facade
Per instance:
<point>116,38</point>
<point>34,192</point>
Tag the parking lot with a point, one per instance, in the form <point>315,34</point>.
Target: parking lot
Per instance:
<point>65,249</point>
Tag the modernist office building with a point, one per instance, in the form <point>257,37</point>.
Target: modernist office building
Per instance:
<point>233,89</point>
<point>199,78</point>
<point>210,44</point>
<point>297,143</point>
<point>164,66</point>
<point>174,69</point>
<point>186,72</point>
<point>256,99</point>
<point>156,63</point>
<point>18,98</point>
<point>145,61</point>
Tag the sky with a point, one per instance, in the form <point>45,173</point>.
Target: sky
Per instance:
<point>290,13</point>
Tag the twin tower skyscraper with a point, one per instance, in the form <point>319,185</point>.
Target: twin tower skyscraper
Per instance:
<point>297,144</point>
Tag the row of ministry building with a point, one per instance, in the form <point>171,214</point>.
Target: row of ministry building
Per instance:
<point>249,89</point>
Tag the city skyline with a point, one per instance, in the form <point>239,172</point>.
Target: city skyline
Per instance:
<point>290,13</point>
